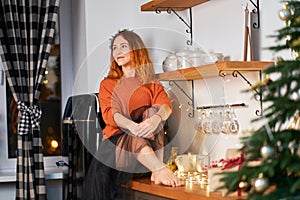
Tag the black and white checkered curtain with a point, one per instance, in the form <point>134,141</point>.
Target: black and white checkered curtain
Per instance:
<point>26,33</point>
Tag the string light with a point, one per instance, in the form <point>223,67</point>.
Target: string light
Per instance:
<point>54,144</point>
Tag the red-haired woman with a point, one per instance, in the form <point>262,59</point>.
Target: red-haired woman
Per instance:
<point>134,106</point>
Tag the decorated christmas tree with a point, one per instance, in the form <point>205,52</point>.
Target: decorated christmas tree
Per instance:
<point>274,147</point>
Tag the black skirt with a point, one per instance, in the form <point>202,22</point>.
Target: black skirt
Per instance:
<point>102,180</point>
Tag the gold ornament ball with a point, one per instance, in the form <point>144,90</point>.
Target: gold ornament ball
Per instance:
<point>284,14</point>
<point>244,186</point>
<point>267,152</point>
<point>261,184</point>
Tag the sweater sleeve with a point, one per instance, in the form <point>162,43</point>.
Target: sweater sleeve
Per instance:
<point>160,96</point>
<point>105,96</point>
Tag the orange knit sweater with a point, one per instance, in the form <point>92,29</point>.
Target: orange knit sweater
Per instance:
<point>126,96</point>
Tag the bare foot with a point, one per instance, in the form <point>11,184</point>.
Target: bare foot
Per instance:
<point>166,177</point>
<point>152,177</point>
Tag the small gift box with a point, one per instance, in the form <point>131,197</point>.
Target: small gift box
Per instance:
<point>230,164</point>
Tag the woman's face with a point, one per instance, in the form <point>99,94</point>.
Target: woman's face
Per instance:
<point>121,51</point>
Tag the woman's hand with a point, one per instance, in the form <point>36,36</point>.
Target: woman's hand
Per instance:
<point>144,129</point>
<point>147,127</point>
<point>133,128</point>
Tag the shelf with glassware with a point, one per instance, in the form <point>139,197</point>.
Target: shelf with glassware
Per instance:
<point>220,69</point>
<point>213,70</point>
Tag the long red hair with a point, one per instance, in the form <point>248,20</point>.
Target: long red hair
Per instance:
<point>139,56</point>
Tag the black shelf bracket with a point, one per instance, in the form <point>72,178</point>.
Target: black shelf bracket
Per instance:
<point>189,25</point>
<point>191,98</point>
<point>256,24</point>
<point>258,95</point>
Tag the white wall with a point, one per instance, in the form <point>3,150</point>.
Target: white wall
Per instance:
<point>66,53</point>
<point>218,26</point>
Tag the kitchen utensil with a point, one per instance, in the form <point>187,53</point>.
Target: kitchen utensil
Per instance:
<point>170,63</point>
<point>183,59</point>
<point>197,57</point>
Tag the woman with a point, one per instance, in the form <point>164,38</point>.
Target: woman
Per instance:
<point>134,107</point>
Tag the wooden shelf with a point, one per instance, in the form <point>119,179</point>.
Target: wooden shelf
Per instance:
<point>213,70</point>
<point>164,5</point>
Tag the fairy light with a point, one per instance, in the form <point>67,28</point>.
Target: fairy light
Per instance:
<point>45,81</point>
<point>54,144</point>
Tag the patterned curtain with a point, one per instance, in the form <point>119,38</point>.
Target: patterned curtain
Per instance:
<point>26,33</point>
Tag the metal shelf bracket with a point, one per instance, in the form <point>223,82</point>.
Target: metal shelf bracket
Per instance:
<point>191,98</point>
<point>189,25</point>
<point>258,95</point>
<point>256,24</point>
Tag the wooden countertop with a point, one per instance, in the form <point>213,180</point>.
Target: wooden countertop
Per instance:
<point>189,191</point>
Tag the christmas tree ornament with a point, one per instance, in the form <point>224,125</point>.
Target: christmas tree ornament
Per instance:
<point>267,152</point>
<point>261,183</point>
<point>244,186</point>
<point>285,13</point>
